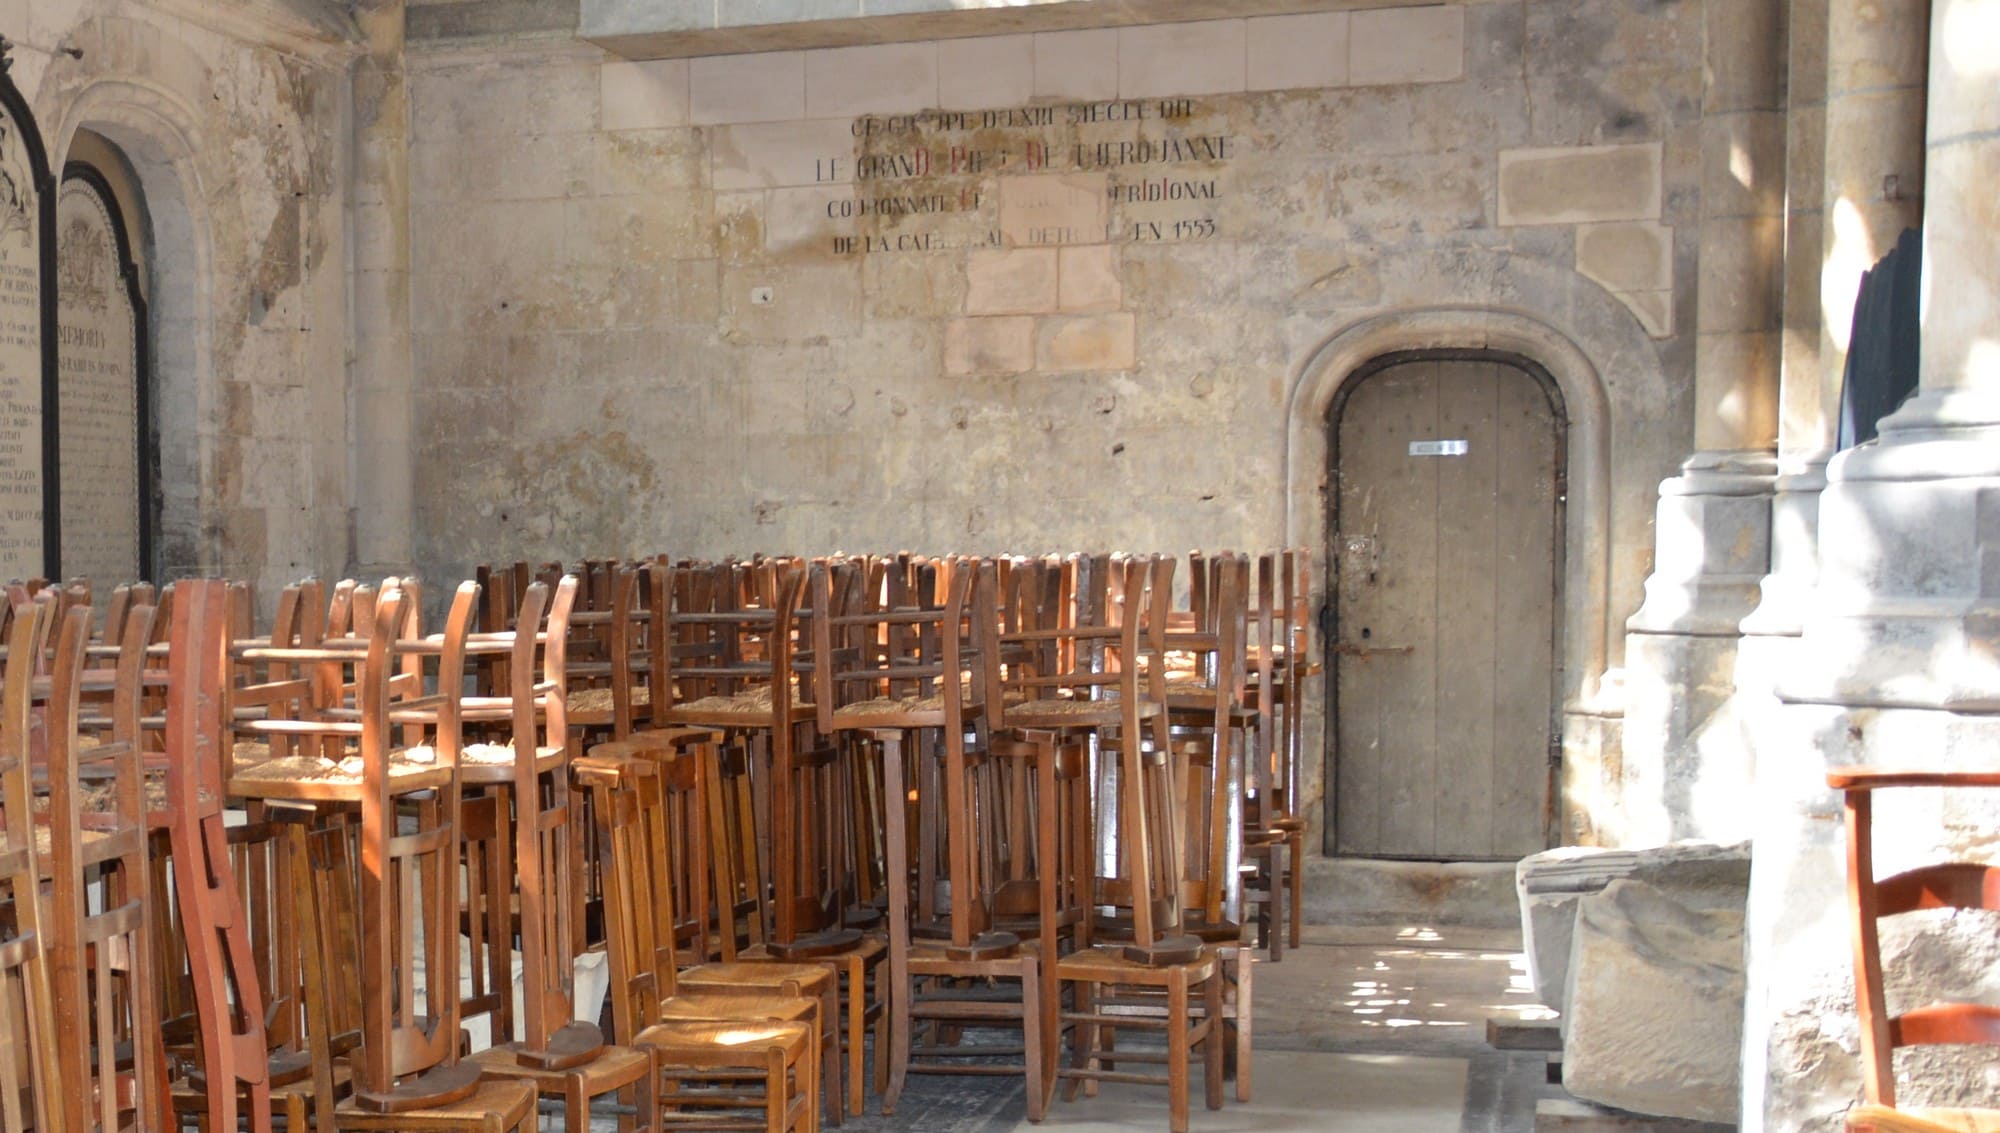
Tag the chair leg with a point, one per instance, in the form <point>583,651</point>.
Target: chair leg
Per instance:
<point>857,1031</point>
<point>1280,855</point>
<point>1177,1051</point>
<point>1214,1034</point>
<point>1295,852</point>
<point>1244,966</point>
<point>1082,1040</point>
<point>1031,1032</point>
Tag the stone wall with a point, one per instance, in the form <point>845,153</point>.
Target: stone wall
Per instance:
<point>233,121</point>
<point>1031,292</point>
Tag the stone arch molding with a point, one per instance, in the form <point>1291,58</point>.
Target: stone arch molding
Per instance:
<point>155,125</point>
<point>1587,550</point>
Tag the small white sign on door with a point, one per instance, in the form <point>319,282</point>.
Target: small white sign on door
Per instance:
<point>1439,448</point>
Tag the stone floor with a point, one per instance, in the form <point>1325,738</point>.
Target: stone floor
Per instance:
<point>1376,1029</point>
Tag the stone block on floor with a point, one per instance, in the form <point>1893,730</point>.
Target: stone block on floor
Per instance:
<point>1655,1004</point>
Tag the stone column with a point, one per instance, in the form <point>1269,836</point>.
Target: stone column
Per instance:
<point>1685,756</point>
<point>1866,148</point>
<point>380,372</point>
<point>1896,664</point>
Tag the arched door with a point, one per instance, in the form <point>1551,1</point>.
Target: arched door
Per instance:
<point>1446,493</point>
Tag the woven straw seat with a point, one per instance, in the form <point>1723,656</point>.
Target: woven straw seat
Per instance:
<point>889,705</point>
<point>250,751</point>
<point>417,763</point>
<point>1063,711</point>
<point>597,701</point>
<point>45,839</point>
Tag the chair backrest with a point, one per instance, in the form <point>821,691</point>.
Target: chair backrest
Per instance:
<point>229,1000</point>
<point>628,804</point>
<point>29,1074</point>
<point>1942,885</point>
<point>405,874</point>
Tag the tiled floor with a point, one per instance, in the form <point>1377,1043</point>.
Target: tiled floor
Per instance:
<point>1369,1030</point>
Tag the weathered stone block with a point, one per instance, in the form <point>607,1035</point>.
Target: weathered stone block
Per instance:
<point>796,220</point>
<point>1088,278</point>
<point>1550,884</point>
<point>1088,342</point>
<point>975,74</point>
<point>808,302</point>
<point>1079,65</point>
<point>642,96</point>
<point>1180,60</point>
<point>1296,52</point>
<point>887,78</point>
<point>1580,184</point>
<point>1627,257</point>
<point>989,346</point>
<point>1655,1005</point>
<point>1406,45</point>
<point>770,87</point>
<point>1017,281</point>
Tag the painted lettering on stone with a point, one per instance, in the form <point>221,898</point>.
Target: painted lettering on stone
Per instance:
<point>1007,177</point>
<point>97,391</point>
<point>21,499</point>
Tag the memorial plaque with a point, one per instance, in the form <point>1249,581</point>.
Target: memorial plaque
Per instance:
<point>98,375</point>
<point>26,218</point>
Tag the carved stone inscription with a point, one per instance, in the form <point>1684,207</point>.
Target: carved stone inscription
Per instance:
<point>98,398</point>
<point>1079,173</point>
<point>20,359</point>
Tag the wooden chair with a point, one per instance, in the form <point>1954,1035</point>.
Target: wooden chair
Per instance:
<point>565,1058</point>
<point>113,1005</point>
<point>403,745</point>
<point>908,674</point>
<point>1946,885</point>
<point>1121,691</point>
<point>30,1082</point>
<point>702,1046</point>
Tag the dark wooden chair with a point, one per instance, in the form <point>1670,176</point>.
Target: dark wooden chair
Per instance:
<point>703,1046</point>
<point>1942,885</point>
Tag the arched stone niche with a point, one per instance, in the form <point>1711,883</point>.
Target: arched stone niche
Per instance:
<point>153,128</point>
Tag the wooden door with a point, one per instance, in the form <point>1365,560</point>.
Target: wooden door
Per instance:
<point>1445,550</point>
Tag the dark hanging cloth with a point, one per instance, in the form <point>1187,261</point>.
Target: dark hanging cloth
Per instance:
<point>1882,351</point>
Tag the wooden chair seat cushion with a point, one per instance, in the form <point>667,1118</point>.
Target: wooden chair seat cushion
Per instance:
<point>598,701</point>
<point>703,1007</point>
<point>752,706</point>
<point>1920,1120</point>
<point>732,977</point>
<point>410,769</point>
<point>494,763</point>
<point>725,1043</point>
<point>611,1063</point>
<point>1057,712</point>
<point>1107,965</point>
<point>496,1104</point>
<point>910,711</point>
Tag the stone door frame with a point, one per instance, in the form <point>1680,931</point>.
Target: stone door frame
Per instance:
<point>1584,620</point>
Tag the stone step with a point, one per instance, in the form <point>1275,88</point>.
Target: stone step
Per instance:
<point>1543,1035</point>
